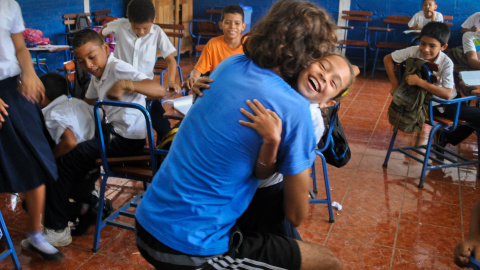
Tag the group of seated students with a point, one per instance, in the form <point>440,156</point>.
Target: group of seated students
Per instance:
<point>206,207</point>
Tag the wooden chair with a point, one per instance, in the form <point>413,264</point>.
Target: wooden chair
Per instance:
<point>174,31</point>
<point>442,158</point>
<point>446,19</point>
<point>362,17</point>
<point>101,17</point>
<point>141,168</point>
<point>388,45</point>
<point>9,250</point>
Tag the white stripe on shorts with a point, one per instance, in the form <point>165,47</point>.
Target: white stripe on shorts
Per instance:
<point>227,262</point>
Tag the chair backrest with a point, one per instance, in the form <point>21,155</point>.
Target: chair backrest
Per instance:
<point>101,16</point>
<point>357,16</point>
<point>69,68</point>
<point>175,33</point>
<point>446,19</point>
<point>70,21</point>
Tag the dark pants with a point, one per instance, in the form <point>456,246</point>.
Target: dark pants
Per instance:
<point>467,113</point>
<point>73,169</point>
<point>160,124</point>
<point>265,213</point>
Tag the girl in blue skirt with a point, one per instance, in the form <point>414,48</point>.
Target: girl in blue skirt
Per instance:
<point>26,159</point>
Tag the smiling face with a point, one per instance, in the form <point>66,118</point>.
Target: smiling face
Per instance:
<point>92,57</point>
<point>430,48</point>
<point>429,8</point>
<point>232,25</point>
<point>322,81</point>
<point>141,29</point>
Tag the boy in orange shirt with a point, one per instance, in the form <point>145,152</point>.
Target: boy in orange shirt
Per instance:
<point>219,48</point>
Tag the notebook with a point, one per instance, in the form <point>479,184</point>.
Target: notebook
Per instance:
<point>470,78</point>
<point>182,105</point>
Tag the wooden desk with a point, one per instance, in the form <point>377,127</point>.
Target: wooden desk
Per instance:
<point>46,49</point>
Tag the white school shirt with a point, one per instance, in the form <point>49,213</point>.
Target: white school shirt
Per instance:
<point>11,22</point>
<point>128,123</point>
<point>319,128</point>
<point>72,113</point>
<point>473,20</point>
<point>471,42</point>
<point>141,53</point>
<point>419,18</point>
<point>445,67</point>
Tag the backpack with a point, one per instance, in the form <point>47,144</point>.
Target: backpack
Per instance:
<point>337,153</point>
<point>81,22</point>
<point>409,107</point>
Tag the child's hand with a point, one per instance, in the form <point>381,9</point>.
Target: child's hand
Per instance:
<point>3,111</point>
<point>199,85</point>
<point>264,121</point>
<point>476,90</point>
<point>188,83</point>
<point>393,89</point>
<point>119,89</point>
<point>413,79</point>
<point>464,250</point>
<point>174,86</point>
<point>32,88</point>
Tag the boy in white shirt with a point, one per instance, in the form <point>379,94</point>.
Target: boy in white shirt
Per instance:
<point>471,48</point>
<point>137,42</point>
<point>126,129</point>
<point>426,15</point>
<point>472,23</point>
<point>433,41</point>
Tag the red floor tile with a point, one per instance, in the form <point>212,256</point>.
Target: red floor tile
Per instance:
<point>433,213</point>
<point>406,260</point>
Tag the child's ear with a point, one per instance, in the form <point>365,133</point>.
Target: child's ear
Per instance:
<point>329,103</point>
<point>444,47</point>
<point>220,25</point>
<point>105,48</point>
<point>356,70</point>
<point>244,25</point>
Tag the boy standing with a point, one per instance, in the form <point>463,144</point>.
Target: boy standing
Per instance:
<point>472,24</point>
<point>221,47</point>
<point>433,41</point>
<point>138,40</point>
<point>426,15</point>
<point>115,80</point>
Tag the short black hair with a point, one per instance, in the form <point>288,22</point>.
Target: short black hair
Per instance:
<point>84,36</point>
<point>140,11</point>
<point>55,85</point>
<point>435,1</point>
<point>437,30</point>
<point>232,9</point>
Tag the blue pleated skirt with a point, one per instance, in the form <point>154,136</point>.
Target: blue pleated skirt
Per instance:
<point>26,159</point>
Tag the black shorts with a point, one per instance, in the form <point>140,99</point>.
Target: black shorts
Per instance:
<point>256,250</point>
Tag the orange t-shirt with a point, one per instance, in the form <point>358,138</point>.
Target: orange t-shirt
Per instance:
<point>214,52</point>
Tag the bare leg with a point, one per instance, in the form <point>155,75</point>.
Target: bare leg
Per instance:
<point>317,257</point>
<point>35,204</point>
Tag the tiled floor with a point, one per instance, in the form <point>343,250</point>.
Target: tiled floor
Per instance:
<point>386,221</point>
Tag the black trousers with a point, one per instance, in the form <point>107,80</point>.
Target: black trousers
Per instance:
<point>467,113</point>
<point>73,169</point>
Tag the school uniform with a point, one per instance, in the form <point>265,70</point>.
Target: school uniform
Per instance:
<point>471,42</point>
<point>445,73</point>
<point>71,113</point>
<point>473,20</point>
<point>23,137</point>
<point>125,133</point>
<point>419,19</point>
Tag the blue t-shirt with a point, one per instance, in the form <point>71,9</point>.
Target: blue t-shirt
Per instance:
<point>207,180</point>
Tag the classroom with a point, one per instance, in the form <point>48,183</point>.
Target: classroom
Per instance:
<point>401,199</point>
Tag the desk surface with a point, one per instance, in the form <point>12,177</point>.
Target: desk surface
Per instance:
<point>48,48</point>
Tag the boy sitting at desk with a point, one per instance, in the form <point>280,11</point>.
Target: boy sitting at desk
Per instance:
<point>426,15</point>
<point>433,41</point>
<point>219,48</point>
<point>472,23</point>
<point>115,80</point>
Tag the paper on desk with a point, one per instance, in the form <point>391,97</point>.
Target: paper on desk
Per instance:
<point>182,105</point>
<point>470,78</point>
<point>412,31</point>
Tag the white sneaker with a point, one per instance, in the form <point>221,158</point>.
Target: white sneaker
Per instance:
<point>58,239</point>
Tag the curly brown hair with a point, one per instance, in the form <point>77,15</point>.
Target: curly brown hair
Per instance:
<point>293,35</point>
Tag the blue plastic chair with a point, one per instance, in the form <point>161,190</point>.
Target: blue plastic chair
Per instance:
<point>141,168</point>
<point>443,157</point>
<point>9,251</point>
<point>319,152</point>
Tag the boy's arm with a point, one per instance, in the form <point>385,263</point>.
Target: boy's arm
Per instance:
<point>473,29</point>
<point>269,126</point>
<point>438,91</point>
<point>296,196</point>
<point>100,33</point>
<point>472,59</point>
<point>390,68</point>
<point>145,87</point>
<point>172,73</point>
<point>471,246</point>
<point>66,144</point>
<point>90,101</point>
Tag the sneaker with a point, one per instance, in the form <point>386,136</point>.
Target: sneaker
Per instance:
<point>45,249</point>
<point>439,140</point>
<point>58,239</point>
